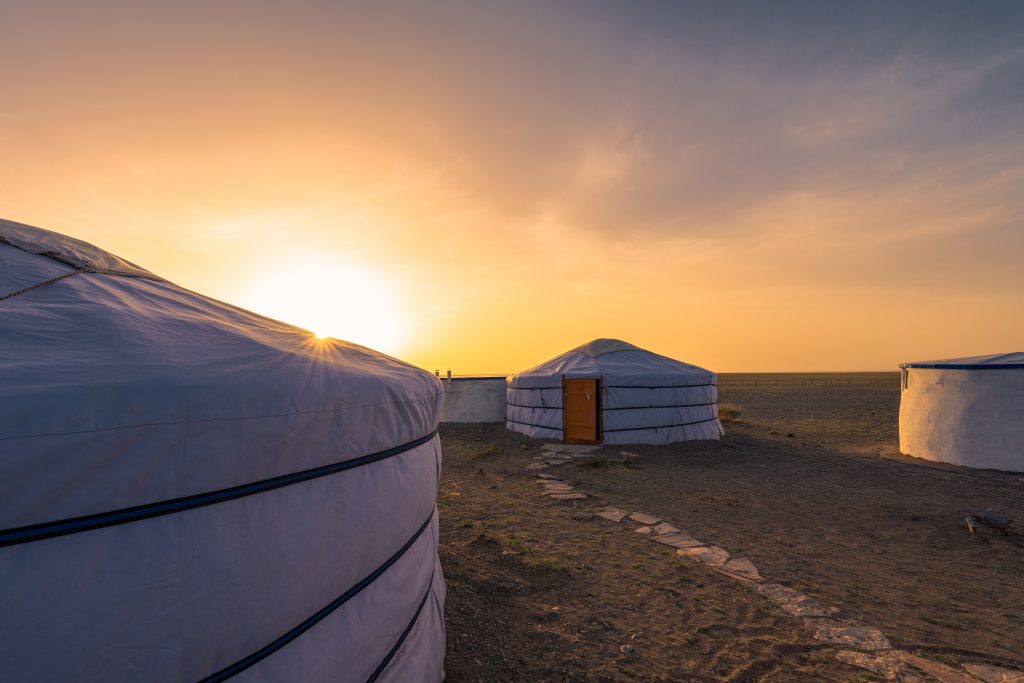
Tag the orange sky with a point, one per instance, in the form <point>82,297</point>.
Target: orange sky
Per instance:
<point>481,188</point>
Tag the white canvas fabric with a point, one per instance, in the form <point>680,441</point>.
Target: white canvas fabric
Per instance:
<point>189,487</point>
<point>645,397</point>
<point>965,411</point>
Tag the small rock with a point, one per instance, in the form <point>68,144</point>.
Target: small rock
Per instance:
<point>881,663</point>
<point>678,541</point>
<point>665,528</point>
<point>612,514</point>
<point>713,556</point>
<point>741,568</point>
<point>994,674</point>
<point>568,496</point>
<point>627,649</point>
<point>644,518</point>
<point>793,602</point>
<point>940,672</point>
<point>643,530</point>
<point>536,466</point>
<point>850,635</point>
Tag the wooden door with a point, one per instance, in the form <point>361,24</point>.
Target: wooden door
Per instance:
<point>580,410</point>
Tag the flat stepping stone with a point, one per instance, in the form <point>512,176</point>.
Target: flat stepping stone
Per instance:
<point>569,496</point>
<point>559,487</point>
<point>849,635</point>
<point>646,530</point>
<point>678,541</point>
<point>741,568</point>
<point>794,602</point>
<point>940,672</point>
<point>557,461</point>
<point>644,518</point>
<point>882,663</point>
<point>545,475</point>
<point>533,466</point>
<point>994,674</point>
<point>613,514</point>
<point>712,556</point>
<point>665,528</point>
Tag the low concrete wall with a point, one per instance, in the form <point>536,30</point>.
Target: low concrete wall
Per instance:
<point>474,399</point>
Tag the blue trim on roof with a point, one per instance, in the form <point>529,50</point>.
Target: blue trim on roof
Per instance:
<point>963,366</point>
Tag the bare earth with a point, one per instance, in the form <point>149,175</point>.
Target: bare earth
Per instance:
<point>808,484</point>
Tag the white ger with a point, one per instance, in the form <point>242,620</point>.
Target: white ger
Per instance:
<point>965,411</point>
<point>191,491</point>
<point>608,391</point>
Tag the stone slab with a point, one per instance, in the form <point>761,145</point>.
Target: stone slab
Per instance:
<point>794,602</point>
<point>713,556</point>
<point>741,568</point>
<point>545,475</point>
<point>612,514</point>
<point>665,528</point>
<point>644,518</point>
<point>848,635</point>
<point>533,466</point>
<point>558,486</point>
<point>940,672</point>
<point>880,663</point>
<point>557,461</point>
<point>645,530</point>
<point>569,496</point>
<point>994,674</point>
<point>678,541</point>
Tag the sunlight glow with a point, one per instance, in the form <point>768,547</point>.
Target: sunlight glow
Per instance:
<point>330,299</point>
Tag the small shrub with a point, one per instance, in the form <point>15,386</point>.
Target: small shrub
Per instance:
<point>491,450</point>
<point>729,413</point>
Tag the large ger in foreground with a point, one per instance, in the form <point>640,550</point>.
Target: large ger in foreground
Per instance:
<point>194,492</point>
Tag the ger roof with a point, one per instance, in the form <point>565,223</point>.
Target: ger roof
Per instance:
<point>997,361</point>
<point>616,362</point>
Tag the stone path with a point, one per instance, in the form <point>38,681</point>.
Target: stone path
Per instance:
<point>863,646</point>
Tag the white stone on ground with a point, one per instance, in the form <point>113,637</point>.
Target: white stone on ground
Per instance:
<point>994,674</point>
<point>793,602</point>
<point>644,518</point>
<point>939,672</point>
<point>713,556</point>
<point>849,635</point>
<point>612,514</point>
<point>678,541</point>
<point>742,568</point>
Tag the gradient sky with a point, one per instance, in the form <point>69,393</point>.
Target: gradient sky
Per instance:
<point>481,186</point>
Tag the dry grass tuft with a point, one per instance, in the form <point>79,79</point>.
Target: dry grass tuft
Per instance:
<point>729,413</point>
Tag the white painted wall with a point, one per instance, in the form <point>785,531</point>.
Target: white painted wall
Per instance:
<point>965,417</point>
<point>474,399</point>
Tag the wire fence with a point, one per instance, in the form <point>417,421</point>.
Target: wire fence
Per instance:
<point>873,379</point>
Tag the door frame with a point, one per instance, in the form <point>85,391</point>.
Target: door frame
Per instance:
<point>598,418</point>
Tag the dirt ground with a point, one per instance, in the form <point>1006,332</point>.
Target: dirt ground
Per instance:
<point>808,484</point>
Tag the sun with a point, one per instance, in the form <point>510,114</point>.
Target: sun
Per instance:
<point>330,299</point>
